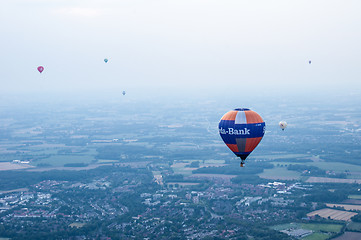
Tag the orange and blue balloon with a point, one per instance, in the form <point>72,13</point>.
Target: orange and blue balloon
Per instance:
<point>40,69</point>
<point>242,130</point>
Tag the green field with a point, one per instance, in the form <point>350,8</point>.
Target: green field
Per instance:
<point>334,228</point>
<point>286,226</point>
<point>279,173</point>
<point>282,156</point>
<point>332,166</point>
<point>354,197</point>
<point>60,160</point>
<point>317,236</point>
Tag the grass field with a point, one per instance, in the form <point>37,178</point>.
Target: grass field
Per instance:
<point>60,160</point>
<point>354,197</point>
<point>317,236</point>
<point>334,228</point>
<point>332,180</point>
<point>331,166</point>
<point>280,173</point>
<point>286,226</point>
<point>282,156</point>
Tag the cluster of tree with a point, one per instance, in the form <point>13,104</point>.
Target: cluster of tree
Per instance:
<point>76,165</point>
<point>356,218</point>
<point>234,169</point>
<point>194,164</point>
<point>307,170</point>
<point>329,193</point>
<point>20,179</point>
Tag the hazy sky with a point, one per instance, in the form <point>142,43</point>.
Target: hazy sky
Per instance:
<point>230,46</point>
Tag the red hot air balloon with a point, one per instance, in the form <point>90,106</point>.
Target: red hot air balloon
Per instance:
<point>40,69</point>
<point>241,130</point>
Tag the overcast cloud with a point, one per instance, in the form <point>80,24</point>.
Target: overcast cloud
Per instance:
<point>165,45</point>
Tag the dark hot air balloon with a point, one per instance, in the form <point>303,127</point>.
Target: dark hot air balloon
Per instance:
<point>106,60</point>
<point>40,69</point>
<point>241,130</point>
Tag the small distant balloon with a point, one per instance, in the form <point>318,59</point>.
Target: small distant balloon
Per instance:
<point>106,60</point>
<point>123,93</point>
<point>283,125</point>
<point>309,62</point>
<point>40,69</point>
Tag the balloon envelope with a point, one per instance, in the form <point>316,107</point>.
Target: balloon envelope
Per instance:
<point>123,92</point>
<point>105,60</point>
<point>40,69</point>
<point>241,130</point>
<point>283,125</point>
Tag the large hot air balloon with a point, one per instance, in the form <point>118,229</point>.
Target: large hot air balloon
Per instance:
<point>123,93</point>
<point>40,69</point>
<point>105,60</point>
<point>283,125</point>
<point>309,62</point>
<point>241,130</point>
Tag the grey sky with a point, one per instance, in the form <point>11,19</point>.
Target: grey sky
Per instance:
<point>180,44</point>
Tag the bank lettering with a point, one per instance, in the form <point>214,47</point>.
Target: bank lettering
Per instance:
<point>232,131</point>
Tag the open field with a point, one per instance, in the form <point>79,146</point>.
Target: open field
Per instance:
<point>60,160</point>
<point>349,236</point>
<point>90,166</point>
<point>345,206</point>
<point>4,166</point>
<point>354,197</point>
<point>317,236</point>
<point>331,166</point>
<point>279,173</point>
<point>282,156</point>
<point>15,190</point>
<point>332,180</point>
<point>334,228</point>
<point>333,214</point>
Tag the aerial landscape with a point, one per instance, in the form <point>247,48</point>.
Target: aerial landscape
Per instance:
<point>137,120</point>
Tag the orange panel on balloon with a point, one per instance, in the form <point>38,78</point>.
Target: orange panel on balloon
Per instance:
<point>233,147</point>
<point>231,115</point>
<point>253,117</point>
<point>252,143</point>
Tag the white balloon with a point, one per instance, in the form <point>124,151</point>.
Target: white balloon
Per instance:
<point>283,125</point>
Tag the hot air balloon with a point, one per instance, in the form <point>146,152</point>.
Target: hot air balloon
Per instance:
<point>283,125</point>
<point>106,60</point>
<point>241,130</point>
<point>40,69</point>
<point>309,62</point>
<point>123,93</point>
